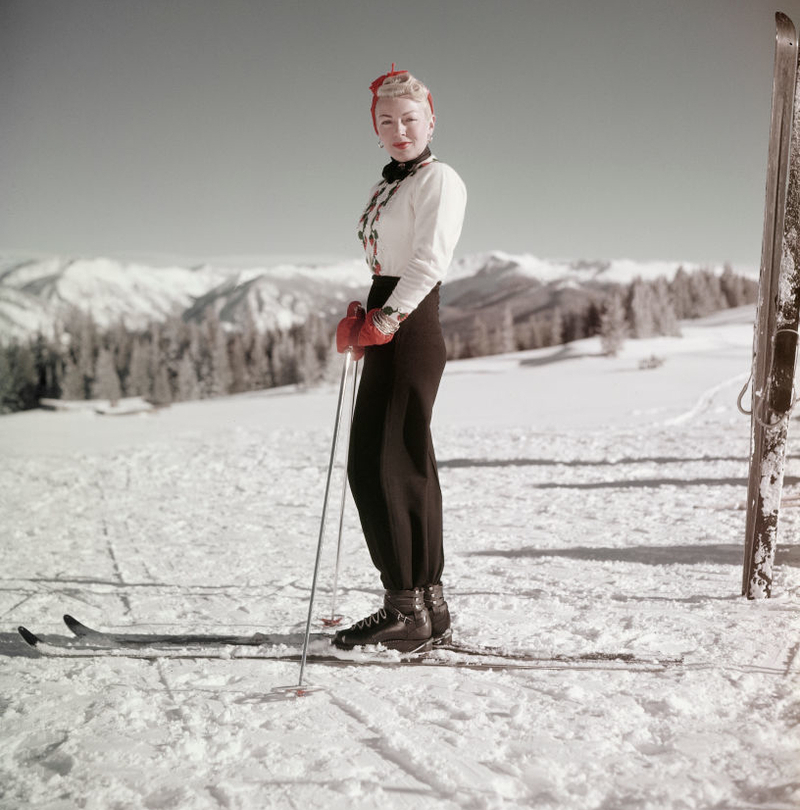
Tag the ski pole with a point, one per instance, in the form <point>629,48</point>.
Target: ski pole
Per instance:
<point>345,367</point>
<point>333,620</point>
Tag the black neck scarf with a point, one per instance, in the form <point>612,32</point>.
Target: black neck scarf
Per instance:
<point>397,171</point>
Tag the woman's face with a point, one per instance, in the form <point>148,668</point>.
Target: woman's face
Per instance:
<point>405,126</point>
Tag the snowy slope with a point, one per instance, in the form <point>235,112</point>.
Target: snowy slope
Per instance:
<point>590,506</point>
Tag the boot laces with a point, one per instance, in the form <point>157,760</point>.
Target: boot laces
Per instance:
<point>376,618</point>
<point>381,615</point>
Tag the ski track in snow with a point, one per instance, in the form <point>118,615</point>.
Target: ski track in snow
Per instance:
<point>626,538</point>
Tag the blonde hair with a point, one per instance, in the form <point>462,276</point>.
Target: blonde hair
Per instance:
<point>403,84</point>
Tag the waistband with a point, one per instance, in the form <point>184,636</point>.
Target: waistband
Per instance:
<point>391,281</point>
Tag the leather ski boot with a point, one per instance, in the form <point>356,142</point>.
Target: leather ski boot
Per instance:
<point>403,623</point>
<point>440,614</point>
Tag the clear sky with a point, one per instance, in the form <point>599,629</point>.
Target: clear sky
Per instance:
<point>205,128</point>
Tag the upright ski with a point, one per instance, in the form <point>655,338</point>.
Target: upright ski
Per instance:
<point>775,336</point>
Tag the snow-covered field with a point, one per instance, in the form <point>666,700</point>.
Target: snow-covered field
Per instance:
<point>590,506</point>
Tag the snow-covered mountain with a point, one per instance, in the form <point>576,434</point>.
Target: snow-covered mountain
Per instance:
<point>565,271</point>
<point>491,284</point>
<point>36,293</point>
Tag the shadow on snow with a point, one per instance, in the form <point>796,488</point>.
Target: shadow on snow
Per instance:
<point>705,554</point>
<point>457,463</point>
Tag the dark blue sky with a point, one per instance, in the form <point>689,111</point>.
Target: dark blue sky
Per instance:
<point>596,129</point>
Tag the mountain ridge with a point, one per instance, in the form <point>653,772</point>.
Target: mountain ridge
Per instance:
<point>38,292</point>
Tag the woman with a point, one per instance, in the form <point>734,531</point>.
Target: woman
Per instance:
<point>409,231</point>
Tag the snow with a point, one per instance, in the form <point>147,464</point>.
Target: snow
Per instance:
<point>590,506</point>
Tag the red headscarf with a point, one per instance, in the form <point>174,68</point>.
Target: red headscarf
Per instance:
<point>377,83</point>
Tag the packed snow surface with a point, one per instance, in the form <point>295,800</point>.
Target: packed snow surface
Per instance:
<point>590,506</point>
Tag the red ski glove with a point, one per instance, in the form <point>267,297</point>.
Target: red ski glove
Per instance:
<point>348,329</point>
<point>371,333</point>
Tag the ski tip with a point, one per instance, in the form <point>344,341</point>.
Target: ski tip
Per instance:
<point>75,627</point>
<point>30,638</point>
<point>71,621</point>
<point>785,27</point>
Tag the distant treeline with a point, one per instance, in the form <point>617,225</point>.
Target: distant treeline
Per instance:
<point>171,361</point>
<point>176,360</point>
<point>640,309</point>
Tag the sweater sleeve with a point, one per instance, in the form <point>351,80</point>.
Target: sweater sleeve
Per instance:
<point>438,203</point>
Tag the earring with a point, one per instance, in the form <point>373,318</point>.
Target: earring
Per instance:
<point>380,143</point>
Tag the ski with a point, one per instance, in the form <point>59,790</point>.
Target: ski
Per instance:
<point>104,639</point>
<point>775,335</point>
<point>83,631</point>
<point>91,643</point>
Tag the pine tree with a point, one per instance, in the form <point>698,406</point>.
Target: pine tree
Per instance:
<point>665,319</point>
<point>175,340</point>
<point>187,385</point>
<point>120,341</point>
<point>47,362</point>
<point>162,392</point>
<point>706,294</point>
<point>87,347</point>
<point>311,350</point>
<point>195,351</point>
<point>309,368</point>
<point>319,337</point>
<point>22,377</point>
<point>641,310</point>
<point>591,324</point>
<point>215,368</point>
<point>26,376</point>
<point>454,346</point>
<point>73,385</point>
<point>734,287</point>
<point>571,329</point>
<point>504,342</point>
<point>7,399</point>
<point>555,336</point>
<point>238,363</point>
<point>106,384</point>
<point>479,340</point>
<point>258,362</point>
<point>536,333</point>
<point>613,327</point>
<point>138,382</point>
<point>284,360</point>
<point>681,293</point>
<point>221,375</point>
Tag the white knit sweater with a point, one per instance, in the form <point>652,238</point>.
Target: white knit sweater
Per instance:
<point>410,229</point>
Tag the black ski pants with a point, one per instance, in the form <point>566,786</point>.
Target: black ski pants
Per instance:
<point>392,466</point>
